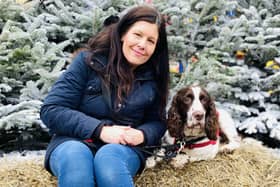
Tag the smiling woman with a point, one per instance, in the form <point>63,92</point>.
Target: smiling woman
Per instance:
<point>109,102</point>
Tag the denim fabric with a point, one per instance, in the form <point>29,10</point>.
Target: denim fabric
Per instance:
<point>73,164</point>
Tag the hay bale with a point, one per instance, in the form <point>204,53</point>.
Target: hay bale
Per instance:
<point>250,165</point>
<point>24,171</point>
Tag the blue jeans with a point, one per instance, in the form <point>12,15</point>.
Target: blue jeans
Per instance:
<point>73,164</point>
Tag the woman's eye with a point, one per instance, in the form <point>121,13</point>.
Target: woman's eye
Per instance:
<point>152,41</point>
<point>137,34</point>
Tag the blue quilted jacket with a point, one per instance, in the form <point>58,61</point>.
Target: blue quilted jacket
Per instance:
<point>76,106</point>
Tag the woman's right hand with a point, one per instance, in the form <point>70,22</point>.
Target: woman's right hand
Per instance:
<point>114,134</point>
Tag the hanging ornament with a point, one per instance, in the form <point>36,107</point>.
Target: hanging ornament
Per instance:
<point>230,13</point>
<point>190,20</point>
<point>176,67</point>
<point>270,92</point>
<point>272,64</point>
<point>240,55</point>
<point>149,1</point>
<point>194,58</point>
<point>215,18</point>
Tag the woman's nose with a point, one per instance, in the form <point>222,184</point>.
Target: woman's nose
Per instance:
<point>142,43</point>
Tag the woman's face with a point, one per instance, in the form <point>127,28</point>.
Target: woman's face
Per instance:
<point>139,42</point>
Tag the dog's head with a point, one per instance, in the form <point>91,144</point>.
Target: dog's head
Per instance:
<point>192,113</point>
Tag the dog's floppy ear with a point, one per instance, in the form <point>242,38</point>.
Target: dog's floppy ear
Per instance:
<point>212,124</point>
<point>175,123</point>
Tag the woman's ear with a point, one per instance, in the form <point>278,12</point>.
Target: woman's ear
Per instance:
<point>122,38</point>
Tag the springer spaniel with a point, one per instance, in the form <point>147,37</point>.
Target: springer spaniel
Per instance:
<point>194,117</point>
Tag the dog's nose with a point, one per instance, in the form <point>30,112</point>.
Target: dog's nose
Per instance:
<point>198,115</point>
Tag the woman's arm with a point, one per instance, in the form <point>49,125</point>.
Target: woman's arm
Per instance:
<point>59,111</point>
<point>153,127</point>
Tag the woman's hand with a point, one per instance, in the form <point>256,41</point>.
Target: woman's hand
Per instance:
<point>114,134</point>
<point>121,135</point>
<point>133,137</point>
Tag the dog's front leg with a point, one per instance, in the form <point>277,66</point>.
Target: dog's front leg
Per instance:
<point>153,160</point>
<point>180,160</point>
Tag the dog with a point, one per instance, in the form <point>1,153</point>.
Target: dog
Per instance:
<point>203,129</point>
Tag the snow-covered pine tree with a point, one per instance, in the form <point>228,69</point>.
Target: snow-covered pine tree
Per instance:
<point>9,11</point>
<point>38,37</point>
<point>37,40</point>
<point>216,31</point>
<point>32,55</point>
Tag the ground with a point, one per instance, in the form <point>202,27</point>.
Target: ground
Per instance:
<point>250,165</point>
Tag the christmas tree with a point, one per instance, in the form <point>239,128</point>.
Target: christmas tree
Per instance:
<point>231,47</point>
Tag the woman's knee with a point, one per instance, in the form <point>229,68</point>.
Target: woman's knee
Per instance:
<point>111,150</point>
<point>116,153</point>
<point>72,162</point>
<point>71,151</point>
<point>114,163</point>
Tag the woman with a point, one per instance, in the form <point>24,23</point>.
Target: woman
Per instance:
<point>109,102</point>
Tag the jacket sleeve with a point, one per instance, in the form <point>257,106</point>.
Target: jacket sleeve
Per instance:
<point>59,111</point>
<point>153,127</point>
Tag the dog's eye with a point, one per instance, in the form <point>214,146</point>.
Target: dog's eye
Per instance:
<point>203,99</point>
<point>188,98</point>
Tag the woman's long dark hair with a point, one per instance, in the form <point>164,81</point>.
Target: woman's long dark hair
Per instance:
<point>108,42</point>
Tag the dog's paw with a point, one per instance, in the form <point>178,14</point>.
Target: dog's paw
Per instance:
<point>179,161</point>
<point>229,148</point>
<point>151,162</point>
<point>160,154</point>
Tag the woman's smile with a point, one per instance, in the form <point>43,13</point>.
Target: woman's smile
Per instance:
<point>139,42</point>
<point>138,52</point>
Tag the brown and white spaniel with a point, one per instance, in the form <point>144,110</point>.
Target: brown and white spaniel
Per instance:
<point>193,116</point>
